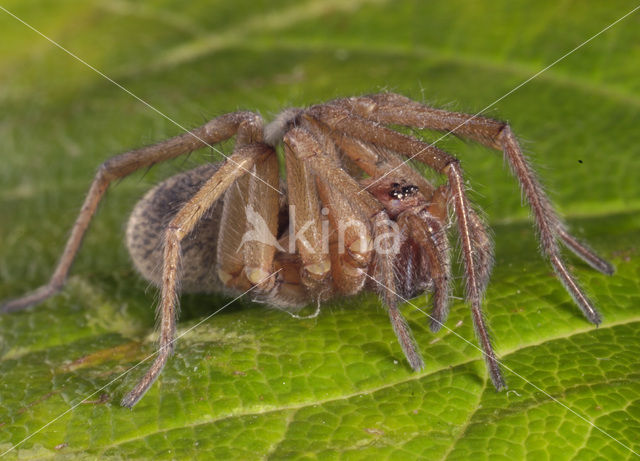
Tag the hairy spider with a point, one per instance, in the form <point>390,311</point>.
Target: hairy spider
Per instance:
<point>352,216</point>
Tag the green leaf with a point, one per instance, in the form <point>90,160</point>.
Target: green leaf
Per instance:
<point>254,382</point>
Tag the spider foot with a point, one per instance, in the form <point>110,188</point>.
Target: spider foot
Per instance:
<point>30,299</point>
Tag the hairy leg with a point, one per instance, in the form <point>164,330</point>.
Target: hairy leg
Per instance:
<point>385,285</point>
<point>388,108</point>
<point>117,167</point>
<point>344,121</point>
<point>180,226</point>
<point>473,270</point>
<point>305,220</point>
<point>428,232</point>
<point>244,263</point>
<point>311,153</point>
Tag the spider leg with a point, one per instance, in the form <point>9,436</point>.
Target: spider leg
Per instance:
<point>351,247</point>
<point>392,108</point>
<point>341,120</point>
<point>378,162</point>
<point>428,231</point>
<point>310,151</point>
<point>386,287</point>
<point>438,250</point>
<point>117,167</point>
<point>473,287</point>
<point>180,226</point>
<point>242,263</point>
<point>305,220</point>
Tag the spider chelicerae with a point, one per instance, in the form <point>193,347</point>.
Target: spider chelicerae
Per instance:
<point>351,216</point>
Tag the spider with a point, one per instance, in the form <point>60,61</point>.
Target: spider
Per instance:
<point>352,216</point>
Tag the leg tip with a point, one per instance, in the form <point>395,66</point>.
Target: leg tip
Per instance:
<point>128,401</point>
<point>595,318</point>
<point>417,364</point>
<point>14,305</point>
<point>29,299</point>
<point>498,381</point>
<point>608,269</point>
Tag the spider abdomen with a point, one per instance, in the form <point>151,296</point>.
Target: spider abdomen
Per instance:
<point>149,219</point>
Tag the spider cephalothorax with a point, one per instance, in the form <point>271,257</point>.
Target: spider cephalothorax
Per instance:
<point>351,215</point>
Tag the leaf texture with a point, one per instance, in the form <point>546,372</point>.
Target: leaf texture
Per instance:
<point>254,383</point>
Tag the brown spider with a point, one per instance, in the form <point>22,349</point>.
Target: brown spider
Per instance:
<point>321,235</point>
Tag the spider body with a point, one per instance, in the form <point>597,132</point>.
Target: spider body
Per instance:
<point>350,216</point>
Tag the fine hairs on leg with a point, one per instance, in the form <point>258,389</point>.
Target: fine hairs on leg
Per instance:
<point>351,215</point>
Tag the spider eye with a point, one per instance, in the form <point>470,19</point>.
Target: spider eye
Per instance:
<point>400,192</point>
<point>409,190</point>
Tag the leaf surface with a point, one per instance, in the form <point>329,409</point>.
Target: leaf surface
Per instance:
<point>253,382</point>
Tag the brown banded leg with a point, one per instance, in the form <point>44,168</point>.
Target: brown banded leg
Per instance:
<point>301,142</point>
<point>180,226</point>
<point>117,167</point>
<point>342,120</point>
<point>388,108</point>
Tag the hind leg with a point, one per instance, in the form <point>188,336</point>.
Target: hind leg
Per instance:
<point>117,167</point>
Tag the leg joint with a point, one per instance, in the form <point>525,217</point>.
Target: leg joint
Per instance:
<point>172,232</point>
<point>105,171</point>
<point>503,132</point>
<point>451,163</point>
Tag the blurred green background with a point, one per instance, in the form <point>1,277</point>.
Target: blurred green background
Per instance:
<point>256,383</point>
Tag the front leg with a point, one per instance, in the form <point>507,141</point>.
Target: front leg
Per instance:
<point>476,275</point>
<point>305,218</point>
<point>310,152</point>
<point>389,108</point>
